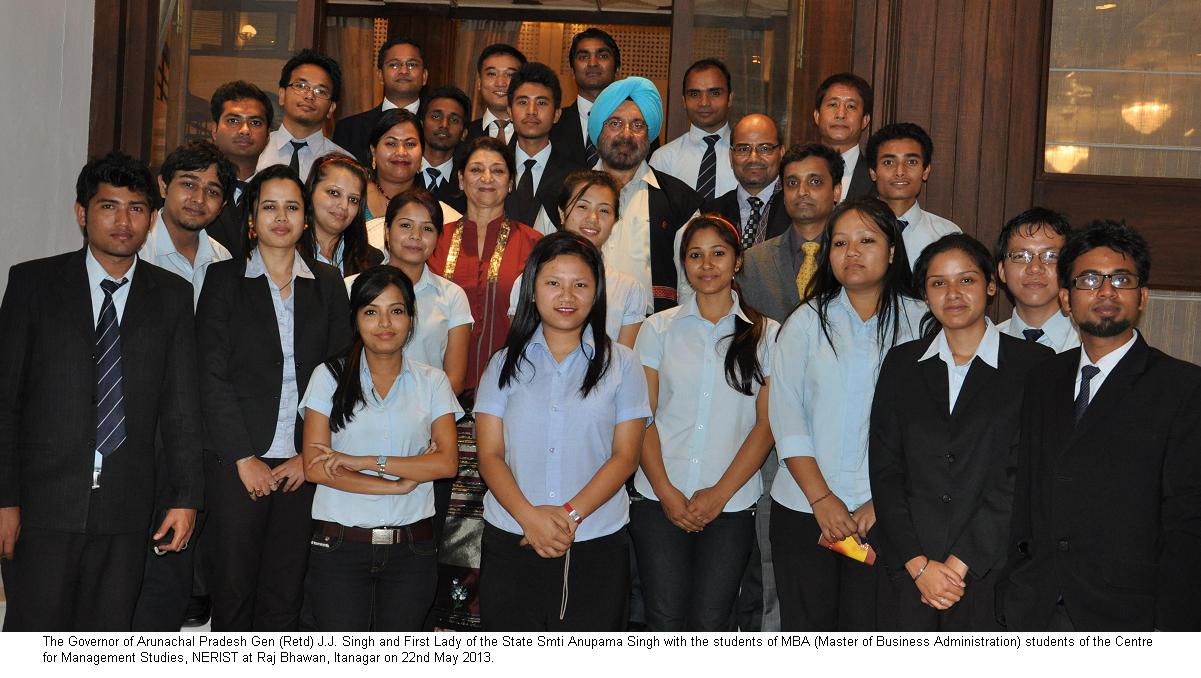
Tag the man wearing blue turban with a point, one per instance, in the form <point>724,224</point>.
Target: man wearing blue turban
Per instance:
<point>625,117</point>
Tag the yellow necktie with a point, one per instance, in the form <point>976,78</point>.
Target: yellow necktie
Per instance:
<point>808,267</point>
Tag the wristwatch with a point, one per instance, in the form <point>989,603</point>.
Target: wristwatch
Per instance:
<point>382,462</point>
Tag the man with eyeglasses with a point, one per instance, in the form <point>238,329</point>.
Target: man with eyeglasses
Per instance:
<point>402,70</point>
<point>309,86</point>
<point>1027,253</point>
<point>594,58</point>
<point>1106,532</point>
<point>756,205</point>
<point>701,156</point>
<point>842,113</point>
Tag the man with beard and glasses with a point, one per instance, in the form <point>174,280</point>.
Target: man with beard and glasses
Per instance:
<point>756,205</point>
<point>444,127</point>
<point>1106,532</point>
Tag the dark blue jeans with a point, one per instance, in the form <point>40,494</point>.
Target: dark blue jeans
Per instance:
<point>690,581</point>
<point>355,586</point>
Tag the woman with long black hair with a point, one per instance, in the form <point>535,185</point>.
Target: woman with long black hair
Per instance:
<point>560,415</point>
<point>336,195</point>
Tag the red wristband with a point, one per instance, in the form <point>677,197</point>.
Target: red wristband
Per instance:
<point>572,513</point>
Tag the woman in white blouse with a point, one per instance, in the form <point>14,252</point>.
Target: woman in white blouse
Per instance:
<point>707,371</point>
<point>377,428</point>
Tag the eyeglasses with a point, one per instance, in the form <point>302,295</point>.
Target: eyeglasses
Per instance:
<point>1093,281</point>
<point>410,65</point>
<point>744,150</point>
<point>616,125</point>
<point>305,89</point>
<point>1026,256</point>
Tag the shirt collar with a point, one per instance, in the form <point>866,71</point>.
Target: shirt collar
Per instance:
<point>584,105</point>
<point>161,245</point>
<point>284,139</point>
<point>368,384</point>
<point>987,350</point>
<point>426,279</point>
<point>697,135</point>
<point>850,156</point>
<point>540,158</point>
<point>768,190</point>
<point>587,345</point>
<point>255,267</point>
<point>1109,360</point>
<point>914,214</point>
<point>1058,325</point>
<point>690,308</point>
<point>488,119</point>
<point>96,272</point>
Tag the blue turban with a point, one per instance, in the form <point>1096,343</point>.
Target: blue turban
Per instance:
<point>644,94</point>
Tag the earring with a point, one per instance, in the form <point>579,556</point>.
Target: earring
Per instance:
<point>373,163</point>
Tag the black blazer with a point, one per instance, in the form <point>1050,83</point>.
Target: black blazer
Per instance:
<point>861,184</point>
<point>354,133</point>
<point>448,191</point>
<point>48,392</point>
<point>669,207</point>
<point>727,206</point>
<point>558,166</point>
<point>942,482</point>
<point>568,136</point>
<point>229,228</point>
<point>1107,512</point>
<point>241,361</point>
<point>475,129</point>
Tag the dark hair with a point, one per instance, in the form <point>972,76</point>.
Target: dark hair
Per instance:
<point>348,394</point>
<point>832,157</point>
<point>116,169</point>
<point>499,48</point>
<point>355,248</point>
<point>314,58</point>
<point>1115,235</point>
<point>1032,219</point>
<point>704,65</point>
<point>850,80</point>
<point>250,197</point>
<point>898,283</point>
<point>899,130</point>
<point>448,92</point>
<point>596,34</point>
<point>392,42</point>
<point>417,195</point>
<point>236,91</point>
<point>962,242</point>
<point>577,183</point>
<point>197,156</point>
<point>538,74</point>
<point>526,320</point>
<point>742,355</point>
<point>391,118</point>
<point>487,143</point>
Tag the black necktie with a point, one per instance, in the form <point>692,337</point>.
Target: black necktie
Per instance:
<point>239,190</point>
<point>706,180</point>
<point>902,224</point>
<point>1086,374</point>
<point>434,175</point>
<point>110,397</point>
<point>590,154</point>
<point>751,230</point>
<point>527,208</point>
<point>1032,334</point>
<point>294,163</point>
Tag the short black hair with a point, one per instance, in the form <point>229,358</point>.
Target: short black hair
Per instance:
<point>314,58</point>
<point>899,130</point>
<point>236,91</point>
<point>197,156</point>
<point>850,80</point>
<point>704,65</point>
<point>595,34</point>
<point>1115,235</point>
<point>448,92</point>
<point>392,42</point>
<point>832,157</point>
<point>499,48</point>
<point>391,118</point>
<point>1033,219</point>
<point>115,169</point>
<point>539,74</point>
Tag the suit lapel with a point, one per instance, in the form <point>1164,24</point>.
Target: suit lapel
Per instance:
<point>933,373</point>
<point>1110,399</point>
<point>76,296</point>
<point>308,307</point>
<point>785,280</point>
<point>980,377</point>
<point>260,308</point>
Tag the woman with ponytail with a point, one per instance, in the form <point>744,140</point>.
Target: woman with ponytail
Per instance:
<point>707,371</point>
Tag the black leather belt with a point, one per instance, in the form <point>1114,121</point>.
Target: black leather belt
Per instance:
<point>422,530</point>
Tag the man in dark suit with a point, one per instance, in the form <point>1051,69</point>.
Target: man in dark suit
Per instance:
<point>493,70</point>
<point>242,116</point>
<point>595,59</point>
<point>756,207</point>
<point>534,97</point>
<point>97,357</point>
<point>402,69</point>
<point>444,127</point>
<point>1106,532</point>
<point>842,112</point>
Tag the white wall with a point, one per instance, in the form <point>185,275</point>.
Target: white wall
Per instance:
<point>46,68</point>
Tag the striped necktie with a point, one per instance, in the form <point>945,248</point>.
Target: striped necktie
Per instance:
<point>110,397</point>
<point>1082,399</point>
<point>706,180</point>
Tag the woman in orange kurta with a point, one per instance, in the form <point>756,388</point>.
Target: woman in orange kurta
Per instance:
<point>484,251</point>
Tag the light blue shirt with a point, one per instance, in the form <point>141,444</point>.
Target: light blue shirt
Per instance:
<point>923,229</point>
<point>397,425</point>
<point>821,398</point>
<point>160,250</point>
<point>555,440</point>
<point>626,301</point>
<point>283,445</point>
<point>97,274</point>
<point>702,421</point>
<point>338,258</point>
<point>1059,334</point>
<point>986,350</point>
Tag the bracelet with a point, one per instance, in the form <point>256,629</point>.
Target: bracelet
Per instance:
<point>922,570</point>
<point>572,513</point>
<point>824,496</point>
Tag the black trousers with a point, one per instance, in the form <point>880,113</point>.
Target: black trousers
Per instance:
<point>167,583</point>
<point>259,551</point>
<point>819,590</point>
<point>587,590</point>
<point>900,606</point>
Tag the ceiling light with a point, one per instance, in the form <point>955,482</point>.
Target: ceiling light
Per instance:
<point>1146,116</point>
<point>1105,6</point>
<point>1064,159</point>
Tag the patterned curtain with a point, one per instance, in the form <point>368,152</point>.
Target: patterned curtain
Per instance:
<point>351,40</point>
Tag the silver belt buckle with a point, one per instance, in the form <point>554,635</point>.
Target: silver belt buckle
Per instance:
<point>96,479</point>
<point>383,536</point>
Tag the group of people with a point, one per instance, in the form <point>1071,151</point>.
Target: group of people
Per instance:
<point>721,385</point>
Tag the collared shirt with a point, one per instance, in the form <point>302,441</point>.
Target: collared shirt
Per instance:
<point>412,107</point>
<point>986,350</point>
<point>555,440</point>
<point>445,170</point>
<point>1106,364</point>
<point>377,230</point>
<point>585,108</point>
<point>97,274</point>
<point>488,123</point>
<point>850,158</point>
<point>922,229</point>
<point>744,206</point>
<point>626,301</point>
<point>159,249</point>
<point>821,399</point>
<point>397,425</point>
<point>682,158</point>
<point>702,421</point>
<point>338,258</point>
<point>441,307</point>
<point>793,242</point>
<point>1059,333</point>
<point>279,150</point>
<point>628,248</point>
<point>542,222</point>
<point>283,445</point>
